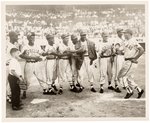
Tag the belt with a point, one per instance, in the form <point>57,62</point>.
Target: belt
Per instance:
<point>120,53</point>
<point>48,58</point>
<point>126,59</point>
<point>105,56</point>
<point>31,61</point>
<point>86,55</point>
<point>65,58</point>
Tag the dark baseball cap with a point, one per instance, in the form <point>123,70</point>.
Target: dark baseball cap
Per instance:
<point>49,36</point>
<point>129,31</point>
<point>73,36</point>
<point>119,30</point>
<point>64,36</point>
<point>12,33</point>
<point>82,33</point>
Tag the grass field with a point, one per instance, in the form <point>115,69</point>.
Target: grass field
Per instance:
<point>85,104</point>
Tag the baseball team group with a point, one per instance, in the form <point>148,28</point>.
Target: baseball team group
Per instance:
<point>71,61</point>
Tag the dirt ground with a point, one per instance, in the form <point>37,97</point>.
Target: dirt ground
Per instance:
<point>84,104</point>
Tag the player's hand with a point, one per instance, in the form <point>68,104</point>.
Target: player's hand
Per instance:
<point>21,79</point>
<point>134,61</point>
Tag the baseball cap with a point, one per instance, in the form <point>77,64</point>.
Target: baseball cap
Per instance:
<point>30,34</point>
<point>128,31</point>
<point>49,36</point>
<point>12,33</point>
<point>119,30</point>
<point>82,33</point>
<point>64,36</point>
<point>73,36</point>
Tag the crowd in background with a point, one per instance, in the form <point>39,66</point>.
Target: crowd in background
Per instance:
<point>60,21</point>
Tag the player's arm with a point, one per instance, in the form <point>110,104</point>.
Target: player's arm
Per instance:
<point>140,52</point>
<point>24,55</point>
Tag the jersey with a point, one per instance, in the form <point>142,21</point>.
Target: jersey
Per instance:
<point>118,46</point>
<point>131,48</point>
<point>104,48</point>
<point>34,50</point>
<point>85,46</point>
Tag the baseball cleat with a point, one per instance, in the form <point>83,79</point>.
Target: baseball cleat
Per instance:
<point>51,92</point>
<point>124,88</point>
<point>74,89</point>
<point>93,89</point>
<point>110,87</point>
<point>101,90</point>
<point>128,95</point>
<point>140,94</point>
<point>60,91</point>
<point>117,90</point>
<point>45,92</point>
<point>54,86</point>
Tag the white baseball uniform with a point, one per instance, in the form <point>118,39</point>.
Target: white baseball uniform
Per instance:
<point>118,49</point>
<point>51,72</point>
<point>128,69</point>
<point>104,64</point>
<point>33,70</point>
<point>64,67</point>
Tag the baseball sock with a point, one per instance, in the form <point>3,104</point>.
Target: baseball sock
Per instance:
<point>128,89</point>
<point>109,83</point>
<point>101,86</point>
<point>138,89</point>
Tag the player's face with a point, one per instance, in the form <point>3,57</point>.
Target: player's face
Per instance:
<point>16,54</point>
<point>105,38</point>
<point>127,36</point>
<point>83,37</point>
<point>120,34</point>
<point>66,40</point>
<point>14,38</point>
<point>50,41</point>
<point>74,41</point>
<point>31,39</point>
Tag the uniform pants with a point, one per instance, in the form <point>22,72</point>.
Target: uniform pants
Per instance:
<point>105,70</point>
<point>74,70</point>
<point>36,72</point>
<point>117,65</point>
<point>15,90</point>
<point>51,72</point>
<point>127,73</point>
<point>64,72</point>
<point>86,71</point>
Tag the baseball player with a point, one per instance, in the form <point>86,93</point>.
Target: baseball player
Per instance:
<point>32,55</point>
<point>76,62</point>
<point>51,55</point>
<point>104,51</point>
<point>88,52</point>
<point>132,51</point>
<point>64,67</point>
<point>118,53</point>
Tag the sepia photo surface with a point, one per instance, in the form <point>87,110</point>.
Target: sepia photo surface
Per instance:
<point>73,60</point>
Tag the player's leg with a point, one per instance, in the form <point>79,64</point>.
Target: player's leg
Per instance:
<point>40,75</point>
<point>109,74</point>
<point>123,73</point>
<point>50,67</point>
<point>90,73</point>
<point>117,66</point>
<point>61,74</point>
<point>131,80</point>
<point>103,73</point>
